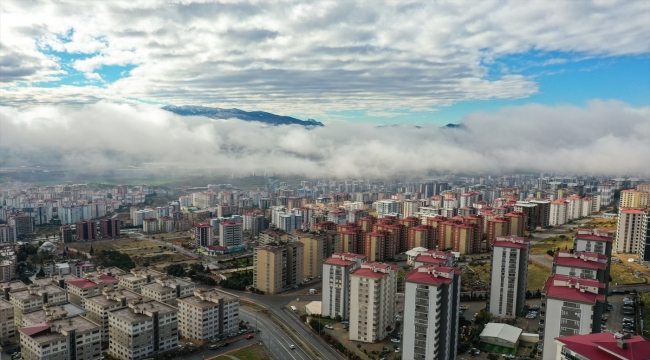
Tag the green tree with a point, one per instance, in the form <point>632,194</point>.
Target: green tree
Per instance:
<point>40,273</point>
<point>92,251</point>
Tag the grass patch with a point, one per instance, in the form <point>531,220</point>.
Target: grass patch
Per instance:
<point>537,275</point>
<point>252,352</point>
<point>624,275</point>
<point>562,242</point>
<point>603,224</point>
<point>484,271</point>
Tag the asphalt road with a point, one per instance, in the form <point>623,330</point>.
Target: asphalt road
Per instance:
<point>276,303</point>
<point>274,338</point>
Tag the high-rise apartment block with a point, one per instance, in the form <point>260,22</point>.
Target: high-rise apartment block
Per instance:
<point>278,267</point>
<point>208,314</point>
<point>109,227</point>
<point>203,234</point>
<point>509,276</point>
<point>7,327</point>
<point>336,283</point>
<point>631,231</point>
<point>373,291</point>
<point>89,285</point>
<point>634,199</point>
<point>230,233</point>
<point>570,306</point>
<point>98,306</point>
<point>137,278</point>
<point>168,289</point>
<point>431,308</point>
<point>142,330</point>
<point>8,234</point>
<point>317,247</point>
<point>73,338</point>
<point>388,207</point>
<point>434,257</point>
<point>584,265</point>
<point>33,298</point>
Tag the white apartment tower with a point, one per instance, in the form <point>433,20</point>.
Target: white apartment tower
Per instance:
<point>570,306</point>
<point>373,288</point>
<point>509,275</point>
<point>230,233</point>
<point>385,207</point>
<point>336,283</point>
<point>431,295</point>
<point>631,231</point>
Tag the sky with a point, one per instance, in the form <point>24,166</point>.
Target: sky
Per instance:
<point>352,65</point>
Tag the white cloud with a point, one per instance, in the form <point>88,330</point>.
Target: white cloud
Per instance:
<point>295,57</point>
<point>107,135</point>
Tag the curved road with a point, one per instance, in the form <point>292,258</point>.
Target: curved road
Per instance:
<point>274,338</point>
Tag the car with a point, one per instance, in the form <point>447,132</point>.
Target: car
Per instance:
<point>250,336</point>
<point>329,327</point>
<point>604,318</point>
<point>344,322</point>
<point>397,350</point>
<point>395,340</point>
<point>618,291</point>
<point>628,319</point>
<point>213,347</point>
<point>225,344</point>
<point>532,307</point>
<point>508,356</point>
<point>477,352</point>
<point>618,335</point>
<point>242,331</point>
<point>292,346</point>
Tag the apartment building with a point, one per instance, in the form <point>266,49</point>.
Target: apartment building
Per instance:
<point>631,231</point>
<point>142,330</point>
<point>634,199</point>
<point>318,246</point>
<point>386,207</point>
<point>584,265</point>
<point>208,314</point>
<point>89,285</point>
<point>203,234</point>
<point>230,233</point>
<point>278,267</point>
<point>431,308</point>
<point>558,213</point>
<point>51,312</point>
<point>373,288</point>
<point>33,298</point>
<point>434,257</point>
<point>7,327</point>
<point>602,346</point>
<point>509,276</point>
<point>72,338</point>
<point>135,279</point>
<point>167,289</point>
<point>570,306</point>
<point>336,283</point>
<point>99,306</point>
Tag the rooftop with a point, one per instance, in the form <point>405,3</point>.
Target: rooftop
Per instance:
<point>137,310</point>
<point>580,259</point>
<point>109,298</point>
<point>46,332</point>
<point>575,289</point>
<point>432,275</point>
<point>57,311</point>
<point>501,331</point>
<point>205,298</point>
<point>604,346</point>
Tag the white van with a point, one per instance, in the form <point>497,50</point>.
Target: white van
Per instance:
<point>293,308</point>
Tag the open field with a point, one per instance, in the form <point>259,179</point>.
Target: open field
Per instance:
<point>623,274</point>
<point>537,276</point>
<point>252,352</point>
<point>603,224</point>
<point>552,243</point>
<point>141,251</point>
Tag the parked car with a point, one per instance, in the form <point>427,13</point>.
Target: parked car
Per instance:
<point>329,327</point>
<point>618,291</point>
<point>292,346</point>
<point>214,347</point>
<point>250,336</point>
<point>395,340</point>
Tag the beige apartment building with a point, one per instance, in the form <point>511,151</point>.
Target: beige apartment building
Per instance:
<point>142,330</point>
<point>278,267</point>
<point>167,289</point>
<point>64,339</point>
<point>51,312</point>
<point>137,278</point>
<point>12,286</point>
<point>317,247</point>
<point>99,306</point>
<point>89,285</point>
<point>634,199</point>
<point>33,298</point>
<point>207,314</point>
<point>7,329</point>
<point>373,289</point>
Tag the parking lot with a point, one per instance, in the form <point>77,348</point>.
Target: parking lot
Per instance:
<point>615,316</point>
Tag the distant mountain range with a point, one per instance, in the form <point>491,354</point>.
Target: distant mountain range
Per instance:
<point>260,116</point>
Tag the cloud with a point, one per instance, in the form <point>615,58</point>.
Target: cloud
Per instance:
<point>609,138</point>
<point>307,58</point>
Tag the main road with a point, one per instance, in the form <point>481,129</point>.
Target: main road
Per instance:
<point>275,339</point>
<point>277,305</point>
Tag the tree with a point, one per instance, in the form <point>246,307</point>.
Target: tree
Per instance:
<point>493,357</point>
<point>40,273</point>
<point>92,251</point>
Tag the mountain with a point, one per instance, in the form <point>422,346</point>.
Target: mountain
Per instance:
<point>217,113</point>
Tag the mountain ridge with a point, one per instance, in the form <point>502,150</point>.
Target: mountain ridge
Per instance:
<point>219,113</point>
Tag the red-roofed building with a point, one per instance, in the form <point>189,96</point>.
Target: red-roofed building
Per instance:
<point>373,291</point>
<point>433,257</point>
<point>570,306</point>
<point>89,285</point>
<point>336,280</point>
<point>584,265</point>
<point>602,346</point>
<point>593,240</point>
<point>431,295</point>
<point>509,276</point>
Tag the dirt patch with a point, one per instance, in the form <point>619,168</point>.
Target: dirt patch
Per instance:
<point>256,351</point>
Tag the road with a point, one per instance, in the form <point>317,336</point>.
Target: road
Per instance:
<point>277,304</point>
<point>210,353</point>
<point>274,338</point>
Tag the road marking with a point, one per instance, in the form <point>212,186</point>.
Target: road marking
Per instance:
<point>266,322</point>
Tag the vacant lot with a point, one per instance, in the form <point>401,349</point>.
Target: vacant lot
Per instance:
<point>623,274</point>
<point>603,224</point>
<point>552,243</point>
<point>537,276</point>
<point>143,252</point>
<point>252,352</point>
